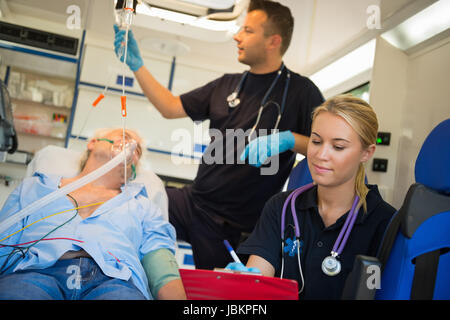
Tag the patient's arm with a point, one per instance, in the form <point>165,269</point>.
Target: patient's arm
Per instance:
<point>262,264</point>
<point>173,290</point>
<point>163,276</point>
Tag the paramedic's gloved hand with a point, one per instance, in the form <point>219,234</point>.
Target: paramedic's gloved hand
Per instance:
<point>239,266</point>
<point>264,147</point>
<point>134,60</point>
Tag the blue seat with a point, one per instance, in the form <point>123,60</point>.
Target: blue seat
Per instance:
<point>414,255</point>
<point>299,176</point>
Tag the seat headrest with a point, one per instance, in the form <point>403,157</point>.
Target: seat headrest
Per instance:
<point>55,160</point>
<point>300,175</point>
<point>433,162</point>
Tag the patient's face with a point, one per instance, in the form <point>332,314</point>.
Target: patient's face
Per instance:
<point>117,146</point>
<point>111,144</point>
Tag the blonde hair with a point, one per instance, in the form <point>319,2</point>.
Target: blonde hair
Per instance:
<point>361,117</point>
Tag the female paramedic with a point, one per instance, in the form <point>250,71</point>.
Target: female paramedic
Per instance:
<point>312,234</point>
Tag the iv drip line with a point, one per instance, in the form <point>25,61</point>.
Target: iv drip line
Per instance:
<point>123,101</point>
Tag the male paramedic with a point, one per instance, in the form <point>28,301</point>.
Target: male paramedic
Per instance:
<point>104,240</point>
<point>226,199</point>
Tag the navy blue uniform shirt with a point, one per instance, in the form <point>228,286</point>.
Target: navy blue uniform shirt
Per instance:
<point>237,192</point>
<point>316,241</point>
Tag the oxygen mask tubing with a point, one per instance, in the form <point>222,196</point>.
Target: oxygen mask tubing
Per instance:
<point>28,210</point>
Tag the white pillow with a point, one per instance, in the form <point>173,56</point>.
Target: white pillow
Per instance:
<point>66,162</point>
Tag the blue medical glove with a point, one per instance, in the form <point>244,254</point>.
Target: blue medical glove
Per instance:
<point>239,266</point>
<point>134,60</point>
<point>264,147</point>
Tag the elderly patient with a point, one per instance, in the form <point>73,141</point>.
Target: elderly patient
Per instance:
<point>105,240</point>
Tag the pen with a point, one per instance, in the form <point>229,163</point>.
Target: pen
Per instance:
<point>231,251</point>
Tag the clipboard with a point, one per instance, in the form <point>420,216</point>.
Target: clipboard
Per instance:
<point>220,285</point>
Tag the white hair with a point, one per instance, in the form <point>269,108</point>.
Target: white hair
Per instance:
<point>102,132</point>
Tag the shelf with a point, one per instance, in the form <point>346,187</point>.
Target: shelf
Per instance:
<point>42,106</point>
<point>39,104</point>
<point>27,86</point>
<point>47,66</point>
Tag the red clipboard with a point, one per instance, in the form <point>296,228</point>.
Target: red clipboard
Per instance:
<point>217,285</point>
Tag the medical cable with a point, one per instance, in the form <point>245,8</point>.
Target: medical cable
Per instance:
<point>15,250</point>
<point>265,103</point>
<point>52,215</point>
<point>266,96</point>
<point>28,210</point>
<point>297,232</point>
<point>283,216</point>
<point>330,265</point>
<point>300,267</point>
<point>32,241</point>
<point>339,245</point>
<point>233,99</point>
<point>126,19</point>
<point>123,100</point>
<point>94,104</point>
<point>123,51</point>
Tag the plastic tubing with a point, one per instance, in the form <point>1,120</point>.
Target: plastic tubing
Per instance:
<point>28,210</point>
<point>123,98</point>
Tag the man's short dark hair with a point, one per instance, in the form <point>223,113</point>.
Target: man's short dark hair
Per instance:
<point>279,20</point>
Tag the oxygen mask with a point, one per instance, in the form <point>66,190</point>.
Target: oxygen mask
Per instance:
<point>132,150</point>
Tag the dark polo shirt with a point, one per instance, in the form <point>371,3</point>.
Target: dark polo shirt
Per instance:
<point>316,241</point>
<point>228,189</point>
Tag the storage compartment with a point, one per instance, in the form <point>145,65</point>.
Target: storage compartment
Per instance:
<point>41,108</point>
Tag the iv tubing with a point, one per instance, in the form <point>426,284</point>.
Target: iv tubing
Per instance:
<point>25,212</point>
<point>123,102</point>
<point>95,103</point>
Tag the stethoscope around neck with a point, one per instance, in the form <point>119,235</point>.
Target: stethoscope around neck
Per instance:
<point>330,265</point>
<point>233,99</point>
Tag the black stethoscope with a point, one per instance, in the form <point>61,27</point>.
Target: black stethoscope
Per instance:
<point>233,99</point>
<point>330,265</point>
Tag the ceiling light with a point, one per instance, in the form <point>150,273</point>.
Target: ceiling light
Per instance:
<point>420,27</point>
<point>345,68</point>
<point>187,19</point>
<point>213,4</point>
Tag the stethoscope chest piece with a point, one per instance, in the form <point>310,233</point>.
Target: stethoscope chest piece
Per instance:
<point>233,100</point>
<point>331,266</point>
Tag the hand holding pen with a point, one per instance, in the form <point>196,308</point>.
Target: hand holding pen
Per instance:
<point>237,265</point>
